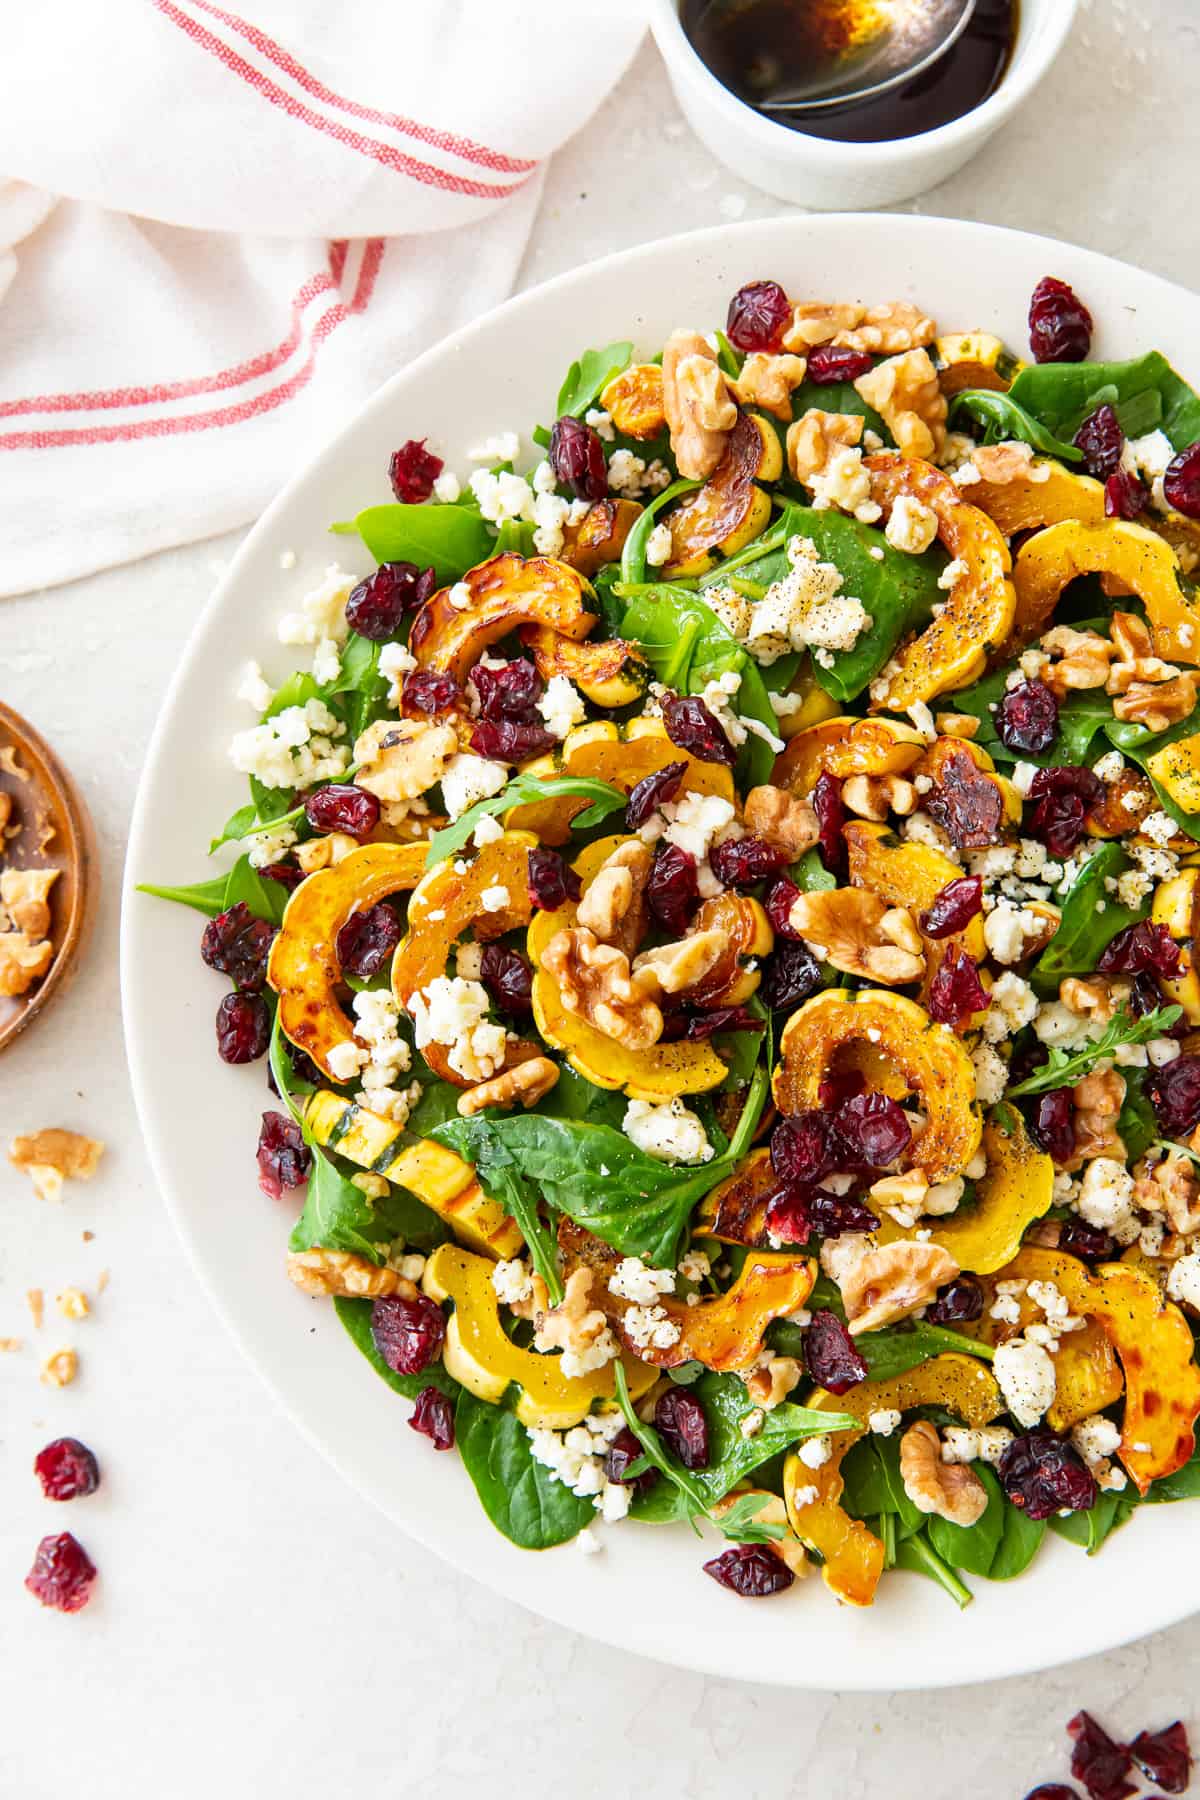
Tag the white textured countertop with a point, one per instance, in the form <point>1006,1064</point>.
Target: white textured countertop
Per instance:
<point>259,1630</point>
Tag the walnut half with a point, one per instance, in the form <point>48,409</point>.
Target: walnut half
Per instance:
<point>951,1490</point>
<point>699,411</point>
<point>526,1083</point>
<point>596,983</point>
<point>343,1275</point>
<point>857,932</point>
<point>892,1281</point>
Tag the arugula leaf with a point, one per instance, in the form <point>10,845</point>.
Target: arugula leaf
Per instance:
<point>1146,393</point>
<point>266,899</point>
<point>740,1524</point>
<point>519,1496</point>
<point>604,797</point>
<point>503,1179</point>
<point>1004,417</point>
<point>355,1315</point>
<point>586,377</point>
<point>1064,1069</point>
<point>897,1349</point>
<point>448,539</point>
<point>1086,928</point>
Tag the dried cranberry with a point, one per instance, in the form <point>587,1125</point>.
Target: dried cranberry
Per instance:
<point>872,1131</point>
<point>1027,718</point>
<point>778,902</point>
<point>433,1417</point>
<point>1164,1757</point>
<point>67,1470</point>
<point>1088,1242</point>
<point>508,690</point>
<point>237,944</point>
<point>966,803</point>
<point>751,1570</point>
<point>759,313</point>
<point>1145,996</point>
<point>412,471</point>
<point>721,1018</point>
<point>740,862</point>
<point>830,1354</point>
<point>1141,949</point>
<point>956,1303</point>
<point>366,941</point>
<point>791,974</point>
<point>62,1573</point>
<point>552,881</point>
<point>1061,799</point>
<point>343,807</point>
<point>1181,483</point>
<point>956,992</point>
<point>511,740</point>
<point>831,816</point>
<point>622,1453</point>
<point>835,1214</point>
<point>1052,1127</point>
<point>803,1148</point>
<point>284,1158</point>
<point>953,907</point>
<point>1097,1761</point>
<point>577,458</point>
<point>1060,325</point>
<point>377,606</point>
<point>1100,438</point>
<point>837,362</point>
<point>1174,1092</point>
<point>1043,1474</point>
<point>1125,496</point>
<point>408,1334</point>
<point>508,978</point>
<point>672,889</point>
<point>424,693</point>
<point>787,1215</point>
<point>243,1028</point>
<point>680,1421</point>
<point>691,727</point>
<point>650,792</point>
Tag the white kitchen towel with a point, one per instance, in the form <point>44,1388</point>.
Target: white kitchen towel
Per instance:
<point>220,231</point>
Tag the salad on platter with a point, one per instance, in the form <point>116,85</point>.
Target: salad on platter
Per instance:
<point>717,909</point>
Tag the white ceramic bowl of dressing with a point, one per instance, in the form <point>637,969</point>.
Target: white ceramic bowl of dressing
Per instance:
<point>832,175</point>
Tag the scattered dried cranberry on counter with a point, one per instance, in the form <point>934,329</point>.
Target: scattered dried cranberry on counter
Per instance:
<point>343,807</point>
<point>751,1570</point>
<point>692,727</point>
<point>1174,1093</point>
<point>408,1334</point>
<point>377,606</point>
<point>827,803</point>
<point>650,792</point>
<point>622,1453</point>
<point>237,944</point>
<point>1125,497</point>
<point>672,888</point>
<point>366,941</point>
<point>1060,325</point>
<point>953,907</point>
<point>1164,1757</point>
<point>552,881</point>
<point>577,458</point>
<point>433,1417</point>
<point>791,974</point>
<point>1181,483</point>
<point>837,362</point>
<point>758,316</point>
<point>1027,718</point>
<point>1052,1790</point>
<point>508,978</point>
<point>1097,1761</point>
<point>682,1425</point>
<point>243,1028</point>
<point>62,1573</point>
<point>830,1354</point>
<point>284,1159</point>
<point>67,1470</point>
<point>956,992</point>
<point>740,862</point>
<point>958,1302</point>
<point>412,471</point>
<point>1042,1474</point>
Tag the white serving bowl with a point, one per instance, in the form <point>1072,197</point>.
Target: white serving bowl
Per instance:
<point>818,172</point>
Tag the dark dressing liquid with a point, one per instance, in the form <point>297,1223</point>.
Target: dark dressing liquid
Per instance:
<point>753,46</point>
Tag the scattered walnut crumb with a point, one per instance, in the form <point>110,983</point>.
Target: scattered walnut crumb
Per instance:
<point>8,1344</point>
<point>88,1236</point>
<point>60,1369</point>
<point>36,1301</point>
<point>72,1303</point>
<point>102,1281</point>
<point>49,1157</point>
<point>10,763</point>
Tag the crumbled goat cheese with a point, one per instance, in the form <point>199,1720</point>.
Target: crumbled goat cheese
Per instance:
<point>1148,457</point>
<point>1056,1024</point>
<point>512,1281</point>
<point>991,1073</point>
<point>804,609</point>
<point>468,778</point>
<point>468,961</point>
<point>632,1279</point>
<point>1183,1282</point>
<point>658,548</point>
<point>1159,827</point>
<point>1106,1199</point>
<point>447,488</point>
<point>912,527</point>
<point>733,609</point>
<point>452,1011</point>
<point>575,1458</point>
<point>601,423</point>
<point>989,864</point>
<point>504,498</point>
<point>919,828</point>
<point>805,1496</point>
<point>786,706</point>
<point>1008,929</point>
<point>561,706</point>
<point>1013,1004</point>
<point>1096,1437</point>
<point>1161,1051</point>
<point>695,1266</point>
<point>669,1132</point>
<point>267,847</point>
<point>952,573</point>
<point>504,447</point>
<point>293,748</point>
<point>495,898</point>
<point>488,830</point>
<point>650,1328</point>
<point>254,689</point>
<point>550,515</point>
<point>883,1422</point>
<point>1109,766</point>
<point>322,612</point>
<point>1025,1372</point>
<point>961,1444</point>
<point>693,823</point>
<point>345,1060</point>
<point>845,483</point>
<point>395,662</point>
<point>631,476</point>
<point>923,719</point>
<point>815,1452</point>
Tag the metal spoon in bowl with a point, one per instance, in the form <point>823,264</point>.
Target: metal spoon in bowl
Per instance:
<point>912,36</point>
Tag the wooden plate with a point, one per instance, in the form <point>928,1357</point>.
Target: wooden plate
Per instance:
<point>56,832</point>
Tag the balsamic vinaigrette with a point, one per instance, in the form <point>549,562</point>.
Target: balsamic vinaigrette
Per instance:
<point>753,46</point>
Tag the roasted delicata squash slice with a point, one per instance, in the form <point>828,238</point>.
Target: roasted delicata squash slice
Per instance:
<point>908,875</point>
<point>456,625</point>
<point>977,616</point>
<point>1017,1189</point>
<point>844,746</point>
<point>930,1059</point>
<point>985,803</point>
<point>1176,768</point>
<point>852,1556</point>
<point>1177,906</point>
<point>735,1212</point>
<point>729,509</point>
<point>620,754</point>
<point>435,1175</point>
<point>634,401</point>
<point>609,672</point>
<point>303,966</point>
<point>662,1072</point>
<point>1087,1377</point>
<point>1044,494</point>
<point>1139,560</point>
<point>599,537</point>
<point>974,359</point>
<point>480,1354</point>
<point>448,902</point>
<point>749,938</point>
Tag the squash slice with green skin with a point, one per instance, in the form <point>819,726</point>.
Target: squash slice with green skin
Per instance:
<point>852,1555</point>
<point>929,1058</point>
<point>912,876</point>
<point>435,1175</point>
<point>619,754</point>
<point>492,600</point>
<point>844,746</point>
<point>1177,906</point>
<point>1017,1189</point>
<point>974,359</point>
<point>1087,1377</point>
<point>448,901</point>
<point>610,673</point>
<point>1141,561</point>
<point>303,967</point>
<point>953,649</point>
<point>735,1211</point>
<point>729,510</point>
<point>662,1072</point>
<point>480,1354</point>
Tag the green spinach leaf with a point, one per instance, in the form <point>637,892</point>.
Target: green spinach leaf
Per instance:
<point>898,1348</point>
<point>840,397</point>
<point>633,555</point>
<point>1136,1123</point>
<point>1091,1529</point>
<point>1003,418</point>
<point>1091,917</point>
<point>266,899</point>
<point>448,539</point>
<point>519,1496</point>
<point>1146,392</point>
<point>586,378</point>
<point>355,1315</point>
<point>359,695</point>
<point>973,1547</point>
<point>917,1554</point>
